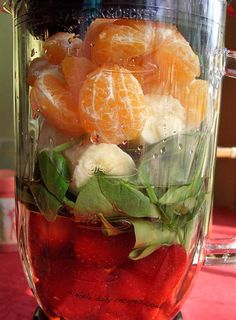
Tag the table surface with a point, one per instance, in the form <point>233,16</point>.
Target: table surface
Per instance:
<point>213,296</point>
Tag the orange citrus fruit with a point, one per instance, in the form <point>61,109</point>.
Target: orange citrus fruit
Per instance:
<point>147,28</point>
<point>35,68</point>
<point>61,44</point>
<point>194,99</point>
<point>173,57</point>
<point>92,33</point>
<point>111,105</point>
<point>118,44</point>
<point>75,70</point>
<point>51,97</point>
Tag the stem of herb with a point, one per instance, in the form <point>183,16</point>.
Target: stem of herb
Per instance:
<point>151,194</point>
<point>69,203</point>
<point>64,146</point>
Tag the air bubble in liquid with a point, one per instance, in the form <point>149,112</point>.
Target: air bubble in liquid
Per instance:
<point>51,143</point>
<point>163,150</point>
<point>94,138</point>
<point>140,147</point>
<point>36,114</point>
<point>124,142</point>
<point>180,146</point>
<point>155,156</point>
<point>33,52</point>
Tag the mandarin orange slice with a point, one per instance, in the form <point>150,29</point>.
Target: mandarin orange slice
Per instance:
<point>194,99</point>
<point>118,44</point>
<point>61,44</point>
<point>35,68</point>
<point>75,70</point>
<point>51,97</point>
<point>172,56</point>
<point>111,105</point>
<point>92,33</point>
<point>147,28</point>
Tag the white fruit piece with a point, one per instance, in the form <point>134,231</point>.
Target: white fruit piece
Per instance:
<point>108,158</point>
<point>166,116</point>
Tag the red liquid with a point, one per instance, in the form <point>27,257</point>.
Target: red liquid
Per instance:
<point>81,274</point>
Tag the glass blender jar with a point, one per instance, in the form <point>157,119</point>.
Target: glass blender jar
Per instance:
<point>116,118</point>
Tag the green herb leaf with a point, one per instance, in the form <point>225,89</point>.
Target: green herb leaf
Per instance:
<point>45,201</point>
<point>92,200</point>
<point>25,196</point>
<point>69,203</point>
<point>149,237</point>
<point>55,172</point>
<point>171,162</point>
<point>179,194</point>
<point>127,198</point>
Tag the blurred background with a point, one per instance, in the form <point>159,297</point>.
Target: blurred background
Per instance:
<point>225,179</point>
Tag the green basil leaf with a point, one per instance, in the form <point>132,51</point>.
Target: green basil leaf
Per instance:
<point>69,203</point>
<point>179,194</point>
<point>149,237</point>
<point>47,204</point>
<point>24,195</point>
<point>127,198</point>
<point>92,200</point>
<point>171,162</point>
<point>55,172</point>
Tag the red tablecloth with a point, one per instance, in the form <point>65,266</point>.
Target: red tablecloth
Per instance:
<point>212,298</point>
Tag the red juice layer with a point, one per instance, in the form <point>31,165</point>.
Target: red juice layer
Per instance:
<point>82,274</point>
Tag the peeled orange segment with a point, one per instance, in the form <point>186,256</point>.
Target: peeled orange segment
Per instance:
<point>35,68</point>
<point>75,70</point>
<point>118,44</point>
<point>51,97</point>
<point>111,105</point>
<point>176,60</point>
<point>92,33</point>
<point>173,57</point>
<point>146,28</point>
<point>61,44</point>
<point>195,99</point>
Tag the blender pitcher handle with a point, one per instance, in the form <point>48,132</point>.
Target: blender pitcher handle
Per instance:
<point>223,251</point>
<point>220,251</point>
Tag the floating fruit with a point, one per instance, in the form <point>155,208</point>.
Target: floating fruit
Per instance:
<point>166,116</point>
<point>53,239</point>
<point>165,281</point>
<point>60,45</point>
<point>111,105</point>
<point>108,158</point>
<point>92,33</point>
<point>92,247</point>
<point>173,57</point>
<point>50,95</point>
<point>36,67</point>
<point>75,70</point>
<point>118,44</point>
<point>195,99</point>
